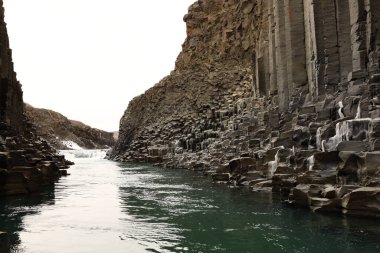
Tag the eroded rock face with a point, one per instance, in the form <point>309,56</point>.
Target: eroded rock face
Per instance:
<point>27,163</point>
<point>274,94</point>
<point>11,102</point>
<point>58,130</point>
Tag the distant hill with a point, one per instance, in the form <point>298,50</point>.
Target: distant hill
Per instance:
<point>63,133</point>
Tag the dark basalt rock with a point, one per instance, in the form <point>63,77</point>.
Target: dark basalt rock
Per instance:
<point>301,105</point>
<point>22,153</point>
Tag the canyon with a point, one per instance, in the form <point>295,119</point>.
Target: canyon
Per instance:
<point>278,95</point>
<point>278,100</point>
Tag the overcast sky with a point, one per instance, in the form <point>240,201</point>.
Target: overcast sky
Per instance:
<point>88,58</point>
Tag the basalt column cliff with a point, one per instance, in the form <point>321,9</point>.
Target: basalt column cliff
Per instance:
<point>11,103</point>
<point>26,162</point>
<point>272,94</point>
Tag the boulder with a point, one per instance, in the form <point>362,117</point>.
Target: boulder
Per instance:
<point>372,164</point>
<point>241,165</point>
<point>366,199</point>
<point>356,146</point>
<point>345,189</point>
<point>300,195</point>
<point>327,160</point>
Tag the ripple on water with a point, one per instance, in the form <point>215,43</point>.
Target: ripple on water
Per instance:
<point>106,206</point>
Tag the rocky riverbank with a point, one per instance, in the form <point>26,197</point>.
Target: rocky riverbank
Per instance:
<point>27,163</point>
<point>265,95</point>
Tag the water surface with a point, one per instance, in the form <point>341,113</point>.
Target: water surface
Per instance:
<point>112,207</point>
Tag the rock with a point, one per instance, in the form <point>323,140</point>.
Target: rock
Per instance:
<point>375,78</point>
<point>319,202</point>
<point>329,192</point>
<point>363,200</point>
<point>345,189</point>
<point>300,195</point>
<point>372,164</point>
<point>350,172</point>
<point>4,243</point>
<point>262,186</point>
<point>329,205</point>
<point>356,146</point>
<point>327,160</point>
<point>4,156</point>
<point>306,117</point>
<point>241,165</point>
<point>223,177</point>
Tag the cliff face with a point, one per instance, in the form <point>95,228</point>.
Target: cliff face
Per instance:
<point>271,94</point>
<point>26,162</point>
<point>213,71</point>
<point>11,102</point>
<point>61,132</point>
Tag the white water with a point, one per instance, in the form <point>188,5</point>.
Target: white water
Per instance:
<point>311,162</point>
<point>273,165</point>
<point>342,133</point>
<point>319,138</point>
<point>84,153</point>
<point>341,115</point>
<point>358,112</point>
<point>105,206</point>
<point>71,145</point>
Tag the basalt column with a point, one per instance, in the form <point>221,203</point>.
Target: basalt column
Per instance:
<point>344,38</point>
<point>284,24</point>
<point>295,45</point>
<point>264,68</point>
<point>373,35</point>
<point>328,53</point>
<point>272,48</point>
<point>322,46</point>
<point>358,16</point>
<point>311,48</point>
<point>11,102</point>
<point>281,55</point>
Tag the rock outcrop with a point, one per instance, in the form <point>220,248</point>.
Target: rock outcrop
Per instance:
<point>61,132</point>
<point>272,94</point>
<point>27,163</point>
<point>11,102</point>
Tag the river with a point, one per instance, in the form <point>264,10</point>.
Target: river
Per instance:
<point>104,206</point>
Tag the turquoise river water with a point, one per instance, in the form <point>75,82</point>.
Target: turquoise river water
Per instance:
<point>105,206</point>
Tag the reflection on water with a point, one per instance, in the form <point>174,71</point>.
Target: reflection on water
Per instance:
<point>110,207</point>
<point>13,210</point>
<point>178,211</point>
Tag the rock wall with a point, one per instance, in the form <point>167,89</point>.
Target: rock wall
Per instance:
<point>60,132</point>
<point>213,71</point>
<point>276,94</point>
<point>11,102</point>
<point>27,163</point>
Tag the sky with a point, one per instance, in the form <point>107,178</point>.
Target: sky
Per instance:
<point>87,59</point>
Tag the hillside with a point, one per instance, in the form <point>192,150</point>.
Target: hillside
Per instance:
<point>63,133</point>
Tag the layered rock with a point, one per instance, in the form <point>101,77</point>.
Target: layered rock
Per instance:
<point>26,162</point>
<point>278,94</point>
<point>61,132</point>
